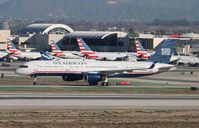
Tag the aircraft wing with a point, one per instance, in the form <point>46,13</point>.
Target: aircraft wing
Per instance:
<point>109,72</point>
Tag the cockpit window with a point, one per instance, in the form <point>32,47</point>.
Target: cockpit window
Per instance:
<point>23,66</point>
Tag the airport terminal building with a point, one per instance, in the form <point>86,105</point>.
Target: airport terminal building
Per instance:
<point>39,35</point>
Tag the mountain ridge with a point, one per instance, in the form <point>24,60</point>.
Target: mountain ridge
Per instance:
<point>101,10</point>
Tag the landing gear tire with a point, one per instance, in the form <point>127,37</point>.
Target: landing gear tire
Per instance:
<point>106,83</point>
<point>34,80</point>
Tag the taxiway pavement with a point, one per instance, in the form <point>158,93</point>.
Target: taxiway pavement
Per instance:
<point>98,101</point>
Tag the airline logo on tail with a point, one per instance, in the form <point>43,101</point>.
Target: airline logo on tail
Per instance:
<point>164,52</point>
<point>85,50</point>
<point>11,47</point>
<point>142,53</point>
<point>55,49</point>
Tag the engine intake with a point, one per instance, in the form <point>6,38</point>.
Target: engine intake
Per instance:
<point>93,78</point>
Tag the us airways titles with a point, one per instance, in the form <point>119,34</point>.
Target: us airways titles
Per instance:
<point>69,63</point>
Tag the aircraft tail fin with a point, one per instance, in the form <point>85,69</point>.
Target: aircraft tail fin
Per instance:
<point>85,50</point>
<point>141,51</point>
<point>55,49</point>
<point>11,47</point>
<point>163,54</point>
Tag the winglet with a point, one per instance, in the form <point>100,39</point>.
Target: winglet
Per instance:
<point>153,65</point>
<point>46,56</point>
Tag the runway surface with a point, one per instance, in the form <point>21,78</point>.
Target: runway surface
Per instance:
<point>98,101</point>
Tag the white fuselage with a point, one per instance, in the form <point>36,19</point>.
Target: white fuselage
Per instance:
<point>70,55</point>
<point>114,55</point>
<point>27,55</point>
<point>83,66</point>
<point>110,55</point>
<point>185,59</point>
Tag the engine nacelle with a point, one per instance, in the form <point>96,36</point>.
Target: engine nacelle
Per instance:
<point>72,77</point>
<point>93,78</point>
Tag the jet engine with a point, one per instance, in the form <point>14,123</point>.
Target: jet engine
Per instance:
<point>93,78</point>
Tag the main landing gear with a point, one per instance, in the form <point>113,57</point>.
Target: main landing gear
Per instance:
<point>34,80</point>
<point>105,82</point>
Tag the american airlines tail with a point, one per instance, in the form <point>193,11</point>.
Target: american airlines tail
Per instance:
<point>11,47</point>
<point>85,50</point>
<point>142,53</point>
<point>55,49</point>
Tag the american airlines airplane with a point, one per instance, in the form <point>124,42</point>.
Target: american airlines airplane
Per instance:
<point>6,56</point>
<point>56,51</point>
<point>3,55</point>
<point>141,52</point>
<point>97,71</point>
<point>21,55</point>
<point>89,54</point>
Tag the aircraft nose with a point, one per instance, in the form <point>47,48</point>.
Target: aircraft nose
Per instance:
<point>19,72</point>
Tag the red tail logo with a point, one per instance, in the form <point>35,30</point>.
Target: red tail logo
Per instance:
<point>142,53</point>
<point>12,48</point>
<point>85,50</point>
<point>56,50</point>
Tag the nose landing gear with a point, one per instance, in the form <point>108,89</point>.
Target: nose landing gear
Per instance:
<point>34,80</point>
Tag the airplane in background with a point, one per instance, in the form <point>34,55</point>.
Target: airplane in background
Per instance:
<point>21,55</point>
<point>141,51</point>
<point>6,56</point>
<point>175,58</point>
<point>89,54</point>
<point>3,55</point>
<point>56,51</point>
<point>187,60</point>
<point>98,71</point>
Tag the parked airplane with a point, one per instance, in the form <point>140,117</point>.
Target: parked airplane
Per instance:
<point>96,71</point>
<point>175,58</point>
<point>6,56</point>
<point>141,52</point>
<point>56,51</point>
<point>188,60</point>
<point>21,55</point>
<point>3,55</point>
<point>89,54</point>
